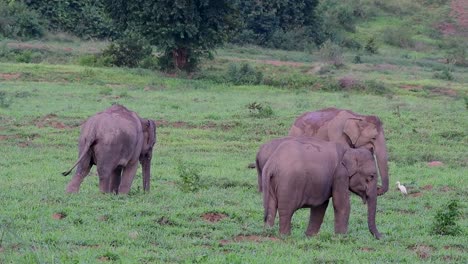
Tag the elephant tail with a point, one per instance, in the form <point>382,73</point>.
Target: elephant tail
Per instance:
<point>266,177</point>
<point>84,152</point>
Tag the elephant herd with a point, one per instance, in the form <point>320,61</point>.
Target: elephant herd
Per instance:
<point>327,154</point>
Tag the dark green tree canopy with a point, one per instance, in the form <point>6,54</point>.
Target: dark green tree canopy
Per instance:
<point>183,29</point>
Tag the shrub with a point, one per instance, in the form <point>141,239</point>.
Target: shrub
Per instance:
<point>259,110</point>
<point>445,220</point>
<point>190,180</point>
<point>331,53</point>
<point>129,51</point>
<point>445,74</point>
<point>5,102</point>
<point>371,46</point>
<point>243,74</point>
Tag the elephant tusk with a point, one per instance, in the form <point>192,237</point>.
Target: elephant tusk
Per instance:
<point>377,166</point>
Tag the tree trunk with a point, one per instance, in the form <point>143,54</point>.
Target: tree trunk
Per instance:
<point>180,56</point>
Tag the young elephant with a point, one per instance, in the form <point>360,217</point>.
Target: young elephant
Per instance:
<point>306,172</point>
<point>114,140</point>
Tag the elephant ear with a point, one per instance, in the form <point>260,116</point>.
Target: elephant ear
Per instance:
<point>352,129</point>
<point>151,128</point>
<point>350,162</point>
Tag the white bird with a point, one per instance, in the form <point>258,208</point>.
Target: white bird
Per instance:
<point>402,188</point>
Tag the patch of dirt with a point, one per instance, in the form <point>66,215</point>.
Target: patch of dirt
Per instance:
<point>164,221</point>
<point>103,218</point>
<point>416,194</point>
<point>423,251</point>
<point>460,248</point>
<point>213,217</point>
<point>413,88</point>
<point>1,249</point>
<point>445,189</point>
<point>435,164</point>
<point>444,91</point>
<point>272,62</point>
<point>182,124</point>
<point>367,249</point>
<point>427,187</point>
<point>385,66</point>
<point>59,216</point>
<point>50,120</point>
<point>104,259</point>
<point>10,76</point>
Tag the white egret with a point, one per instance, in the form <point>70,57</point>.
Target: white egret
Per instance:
<point>402,188</point>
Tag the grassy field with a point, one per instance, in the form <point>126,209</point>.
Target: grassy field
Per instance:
<point>205,126</point>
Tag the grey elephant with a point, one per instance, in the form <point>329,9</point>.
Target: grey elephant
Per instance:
<point>350,129</point>
<point>114,140</point>
<point>306,172</point>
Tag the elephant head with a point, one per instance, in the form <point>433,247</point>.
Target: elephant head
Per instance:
<point>367,132</point>
<point>149,139</point>
<point>360,167</point>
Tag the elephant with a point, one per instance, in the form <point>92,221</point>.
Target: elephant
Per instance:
<point>114,140</point>
<point>350,129</point>
<point>305,172</point>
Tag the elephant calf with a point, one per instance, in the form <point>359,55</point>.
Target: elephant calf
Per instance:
<point>306,172</point>
<point>114,140</point>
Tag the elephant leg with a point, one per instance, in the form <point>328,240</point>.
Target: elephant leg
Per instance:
<point>316,218</point>
<point>285,217</point>
<point>115,179</point>
<point>272,209</point>
<point>81,172</point>
<point>127,177</point>
<point>105,176</point>
<point>341,206</point>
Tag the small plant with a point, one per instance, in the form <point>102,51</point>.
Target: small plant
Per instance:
<point>445,220</point>
<point>445,74</point>
<point>244,74</point>
<point>5,102</point>
<point>331,53</point>
<point>259,110</point>
<point>357,59</point>
<point>190,180</point>
<point>371,46</point>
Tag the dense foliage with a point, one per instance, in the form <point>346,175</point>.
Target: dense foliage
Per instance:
<point>286,24</point>
<point>17,21</point>
<point>183,30</point>
<point>84,18</point>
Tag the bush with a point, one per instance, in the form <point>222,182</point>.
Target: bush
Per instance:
<point>5,102</point>
<point>17,21</point>
<point>445,220</point>
<point>331,53</point>
<point>128,51</point>
<point>244,74</point>
<point>190,180</point>
<point>445,74</point>
<point>371,46</point>
<point>259,110</point>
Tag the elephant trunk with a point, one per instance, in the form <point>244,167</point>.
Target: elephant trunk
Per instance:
<point>382,159</point>
<point>371,211</point>
<point>146,166</point>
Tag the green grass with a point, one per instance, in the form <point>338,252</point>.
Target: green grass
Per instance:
<point>208,127</point>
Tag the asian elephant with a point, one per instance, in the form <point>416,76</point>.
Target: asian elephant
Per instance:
<point>306,172</point>
<point>114,140</point>
<point>348,128</point>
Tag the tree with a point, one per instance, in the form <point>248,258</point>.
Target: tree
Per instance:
<point>184,30</point>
